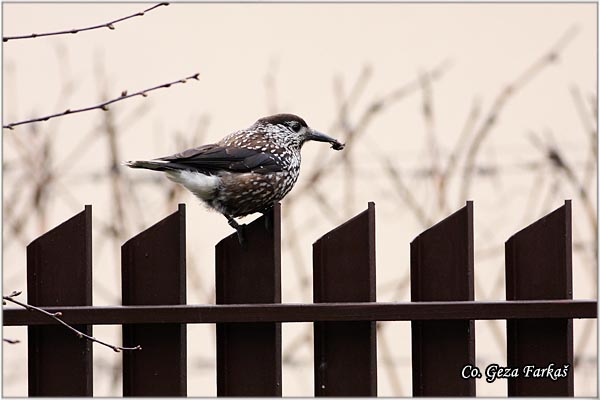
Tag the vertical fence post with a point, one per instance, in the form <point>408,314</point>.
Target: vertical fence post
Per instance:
<point>538,267</point>
<point>344,271</point>
<point>153,273</point>
<point>249,354</point>
<point>59,273</point>
<point>441,269</point>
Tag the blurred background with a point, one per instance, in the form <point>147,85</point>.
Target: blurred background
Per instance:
<point>438,104</point>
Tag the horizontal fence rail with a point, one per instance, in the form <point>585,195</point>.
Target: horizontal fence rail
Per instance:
<point>539,309</point>
<point>402,311</point>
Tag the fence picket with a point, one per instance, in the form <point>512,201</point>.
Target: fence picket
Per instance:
<point>153,272</point>
<point>539,312</point>
<point>441,269</point>
<point>344,270</point>
<point>59,273</point>
<point>538,266</point>
<point>249,355</point>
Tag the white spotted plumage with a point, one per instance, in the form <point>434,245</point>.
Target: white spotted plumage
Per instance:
<point>248,170</point>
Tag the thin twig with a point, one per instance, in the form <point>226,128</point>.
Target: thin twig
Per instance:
<point>589,125</point>
<point>325,205</point>
<point>558,160</point>
<point>55,316</point>
<point>102,106</point>
<point>292,243</point>
<point>405,194</point>
<point>509,91</point>
<point>110,25</point>
<point>345,127</point>
<point>432,145</point>
<point>347,102</point>
<point>114,172</point>
<point>388,361</point>
<point>371,111</point>
<point>455,154</point>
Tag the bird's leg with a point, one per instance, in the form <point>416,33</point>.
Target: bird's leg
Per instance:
<point>268,219</point>
<point>240,228</point>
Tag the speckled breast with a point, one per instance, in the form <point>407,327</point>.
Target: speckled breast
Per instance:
<point>243,194</point>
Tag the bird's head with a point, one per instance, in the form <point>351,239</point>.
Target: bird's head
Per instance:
<point>294,129</point>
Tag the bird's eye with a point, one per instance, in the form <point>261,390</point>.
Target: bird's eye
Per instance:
<point>295,126</point>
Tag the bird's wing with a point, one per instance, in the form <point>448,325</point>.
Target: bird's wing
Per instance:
<point>213,158</point>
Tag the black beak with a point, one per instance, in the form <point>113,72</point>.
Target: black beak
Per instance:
<point>321,137</point>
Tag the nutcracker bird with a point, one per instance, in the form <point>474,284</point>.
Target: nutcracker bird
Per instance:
<point>247,171</point>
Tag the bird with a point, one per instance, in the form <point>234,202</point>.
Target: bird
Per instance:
<point>247,171</point>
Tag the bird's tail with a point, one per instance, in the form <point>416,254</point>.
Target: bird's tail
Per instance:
<point>155,165</point>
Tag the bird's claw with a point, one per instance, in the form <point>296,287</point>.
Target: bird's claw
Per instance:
<point>241,231</point>
<point>268,221</point>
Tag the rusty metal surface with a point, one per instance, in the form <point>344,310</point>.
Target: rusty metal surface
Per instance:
<point>249,355</point>
<point>308,312</point>
<point>153,272</point>
<point>344,270</point>
<point>539,266</point>
<point>441,268</point>
<point>59,272</point>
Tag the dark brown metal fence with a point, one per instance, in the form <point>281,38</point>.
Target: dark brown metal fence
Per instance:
<point>539,308</point>
<point>441,269</point>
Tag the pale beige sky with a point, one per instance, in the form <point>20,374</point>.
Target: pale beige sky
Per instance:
<point>305,47</point>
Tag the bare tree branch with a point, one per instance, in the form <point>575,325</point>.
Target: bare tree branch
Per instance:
<point>103,106</point>
<point>558,160</point>
<point>589,125</point>
<point>55,316</point>
<point>370,112</point>
<point>428,111</point>
<point>459,146</point>
<point>110,25</point>
<point>405,194</point>
<point>509,91</point>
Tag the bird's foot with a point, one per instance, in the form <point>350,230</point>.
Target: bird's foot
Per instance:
<point>241,231</point>
<point>268,220</point>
